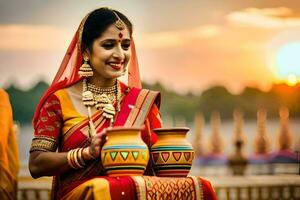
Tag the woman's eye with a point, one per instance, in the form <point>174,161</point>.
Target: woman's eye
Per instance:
<point>125,46</point>
<point>108,45</point>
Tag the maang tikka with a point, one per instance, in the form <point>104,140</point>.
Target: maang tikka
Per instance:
<point>85,70</point>
<point>119,23</point>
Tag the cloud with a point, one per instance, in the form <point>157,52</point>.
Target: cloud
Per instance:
<point>177,38</point>
<point>29,37</point>
<point>275,12</point>
<point>269,18</point>
<point>40,37</point>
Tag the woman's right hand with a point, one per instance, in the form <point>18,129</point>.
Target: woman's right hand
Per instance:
<point>97,142</point>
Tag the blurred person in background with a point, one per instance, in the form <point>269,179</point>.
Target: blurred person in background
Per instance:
<point>9,155</point>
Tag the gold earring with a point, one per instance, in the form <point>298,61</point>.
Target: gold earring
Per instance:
<point>85,70</point>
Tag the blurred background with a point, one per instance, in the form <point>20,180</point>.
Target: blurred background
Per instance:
<point>229,70</point>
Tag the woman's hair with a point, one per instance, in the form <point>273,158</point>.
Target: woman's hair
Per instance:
<point>97,22</point>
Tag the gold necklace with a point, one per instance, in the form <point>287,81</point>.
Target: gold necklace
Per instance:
<point>102,98</point>
<point>110,92</point>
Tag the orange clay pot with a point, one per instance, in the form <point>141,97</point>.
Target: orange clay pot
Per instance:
<point>124,153</point>
<point>172,155</point>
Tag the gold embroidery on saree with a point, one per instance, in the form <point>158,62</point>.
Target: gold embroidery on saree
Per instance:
<point>51,114</point>
<point>50,128</point>
<point>43,143</point>
<point>44,119</point>
<point>57,124</point>
<point>167,188</point>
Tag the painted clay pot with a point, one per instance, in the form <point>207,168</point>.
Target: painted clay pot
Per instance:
<point>124,153</point>
<point>172,155</point>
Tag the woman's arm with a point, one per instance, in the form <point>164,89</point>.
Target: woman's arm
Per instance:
<point>43,163</point>
<point>47,163</point>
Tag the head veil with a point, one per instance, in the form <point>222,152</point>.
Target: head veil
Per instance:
<point>67,73</point>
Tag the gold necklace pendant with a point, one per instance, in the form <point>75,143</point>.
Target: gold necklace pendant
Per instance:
<point>104,103</point>
<point>102,98</point>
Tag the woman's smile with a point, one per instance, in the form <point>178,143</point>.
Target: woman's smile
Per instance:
<point>116,65</point>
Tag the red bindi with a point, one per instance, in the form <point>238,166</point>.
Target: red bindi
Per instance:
<point>120,35</point>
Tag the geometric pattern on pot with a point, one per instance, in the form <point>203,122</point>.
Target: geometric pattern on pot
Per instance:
<point>124,153</point>
<point>177,155</point>
<point>165,155</point>
<point>171,154</point>
<point>125,159</point>
<point>129,153</point>
<point>172,161</point>
<point>135,154</point>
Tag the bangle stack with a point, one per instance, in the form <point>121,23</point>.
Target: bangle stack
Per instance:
<point>75,158</point>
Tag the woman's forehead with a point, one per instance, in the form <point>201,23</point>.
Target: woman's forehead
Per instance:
<point>112,32</point>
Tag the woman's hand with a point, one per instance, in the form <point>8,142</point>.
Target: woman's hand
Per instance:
<point>97,142</point>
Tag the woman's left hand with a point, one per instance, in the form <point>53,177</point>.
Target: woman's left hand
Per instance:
<point>97,142</point>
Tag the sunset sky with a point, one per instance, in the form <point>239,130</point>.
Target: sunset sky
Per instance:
<point>186,45</point>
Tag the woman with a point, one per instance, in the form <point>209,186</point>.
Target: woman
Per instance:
<point>9,154</point>
<point>84,99</point>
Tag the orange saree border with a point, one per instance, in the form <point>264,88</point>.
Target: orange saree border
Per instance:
<point>145,108</point>
<point>80,131</point>
<point>135,109</point>
<point>140,110</point>
<point>198,187</point>
<point>80,125</point>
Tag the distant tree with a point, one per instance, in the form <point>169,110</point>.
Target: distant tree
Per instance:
<point>185,105</point>
<point>217,98</point>
<point>24,102</point>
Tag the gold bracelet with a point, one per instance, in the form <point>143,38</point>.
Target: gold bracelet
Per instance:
<point>73,156</point>
<point>69,159</point>
<point>80,158</point>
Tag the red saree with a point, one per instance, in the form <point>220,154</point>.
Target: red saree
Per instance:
<point>61,127</point>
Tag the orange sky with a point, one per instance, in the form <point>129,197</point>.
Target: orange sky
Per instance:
<point>186,46</point>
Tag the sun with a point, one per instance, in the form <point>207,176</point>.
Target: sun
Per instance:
<point>292,80</point>
<point>287,62</point>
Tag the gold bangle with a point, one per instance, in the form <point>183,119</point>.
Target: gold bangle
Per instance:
<point>72,159</point>
<point>69,159</point>
<point>75,157</point>
<point>80,159</point>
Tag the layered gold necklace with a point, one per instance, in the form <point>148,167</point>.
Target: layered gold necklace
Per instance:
<point>102,98</point>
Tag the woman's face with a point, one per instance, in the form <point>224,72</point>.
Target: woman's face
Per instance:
<point>110,53</point>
